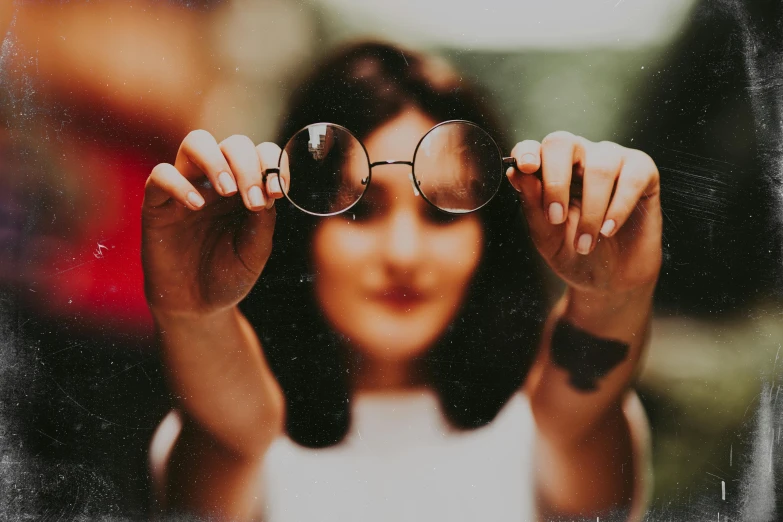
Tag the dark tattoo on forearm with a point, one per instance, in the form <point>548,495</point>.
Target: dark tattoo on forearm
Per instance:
<point>585,357</point>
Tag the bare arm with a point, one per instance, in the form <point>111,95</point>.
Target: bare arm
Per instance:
<point>585,463</point>
<point>203,248</point>
<point>605,244</point>
<point>217,370</point>
<point>206,479</point>
<point>233,411</point>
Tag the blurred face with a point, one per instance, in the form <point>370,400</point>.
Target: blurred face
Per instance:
<point>392,273</point>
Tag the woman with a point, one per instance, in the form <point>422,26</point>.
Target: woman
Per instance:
<point>376,368</point>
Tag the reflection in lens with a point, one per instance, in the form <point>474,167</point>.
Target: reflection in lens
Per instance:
<point>326,167</point>
<point>458,167</point>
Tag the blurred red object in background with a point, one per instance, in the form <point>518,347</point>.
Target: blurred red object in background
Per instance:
<point>98,94</point>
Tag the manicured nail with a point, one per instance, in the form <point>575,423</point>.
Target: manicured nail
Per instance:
<point>607,227</point>
<point>195,199</point>
<point>227,183</point>
<point>529,159</point>
<point>274,185</point>
<point>584,243</point>
<point>556,213</point>
<point>255,196</point>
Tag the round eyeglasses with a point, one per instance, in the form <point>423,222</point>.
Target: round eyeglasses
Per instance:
<point>457,167</point>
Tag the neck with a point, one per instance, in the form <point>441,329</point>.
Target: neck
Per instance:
<point>385,375</point>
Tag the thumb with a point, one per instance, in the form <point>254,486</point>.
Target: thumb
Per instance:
<point>254,240</point>
<point>531,197</point>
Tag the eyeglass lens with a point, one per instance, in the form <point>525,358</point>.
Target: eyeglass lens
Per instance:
<point>457,167</point>
<point>326,167</point>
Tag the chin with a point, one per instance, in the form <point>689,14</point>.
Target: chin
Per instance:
<point>396,339</point>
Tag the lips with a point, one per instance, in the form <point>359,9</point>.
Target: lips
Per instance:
<point>400,297</point>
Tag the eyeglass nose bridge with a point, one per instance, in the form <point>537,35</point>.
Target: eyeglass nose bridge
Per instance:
<point>391,162</point>
<point>366,180</point>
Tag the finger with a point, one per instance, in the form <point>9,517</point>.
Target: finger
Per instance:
<point>240,152</point>
<point>269,157</point>
<point>639,178</point>
<point>527,155</point>
<point>255,243</point>
<point>530,194</point>
<point>569,230</point>
<point>200,155</point>
<point>602,165</point>
<point>165,183</point>
<point>559,152</point>
<point>277,183</point>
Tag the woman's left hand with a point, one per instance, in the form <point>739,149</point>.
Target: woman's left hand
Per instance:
<point>609,241</point>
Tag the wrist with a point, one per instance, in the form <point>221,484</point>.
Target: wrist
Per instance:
<point>167,321</point>
<point>620,316</point>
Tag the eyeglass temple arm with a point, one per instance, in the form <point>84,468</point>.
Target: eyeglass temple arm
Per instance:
<point>576,181</point>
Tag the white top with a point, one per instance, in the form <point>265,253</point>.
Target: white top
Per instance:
<point>401,461</point>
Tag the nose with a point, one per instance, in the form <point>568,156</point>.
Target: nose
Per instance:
<point>404,241</point>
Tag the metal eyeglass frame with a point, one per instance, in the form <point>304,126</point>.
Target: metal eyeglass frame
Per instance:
<point>504,163</point>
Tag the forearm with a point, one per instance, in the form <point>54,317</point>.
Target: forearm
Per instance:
<point>217,484</point>
<point>564,412</point>
<point>218,373</point>
<point>585,461</point>
<point>593,478</point>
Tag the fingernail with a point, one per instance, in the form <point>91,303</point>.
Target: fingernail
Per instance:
<point>511,175</point>
<point>529,159</point>
<point>555,213</point>
<point>227,183</point>
<point>255,196</point>
<point>274,185</point>
<point>195,199</point>
<point>607,227</point>
<point>583,245</point>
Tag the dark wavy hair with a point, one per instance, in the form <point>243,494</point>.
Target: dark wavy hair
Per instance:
<point>484,355</point>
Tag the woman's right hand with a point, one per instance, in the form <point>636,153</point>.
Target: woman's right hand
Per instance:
<point>207,224</point>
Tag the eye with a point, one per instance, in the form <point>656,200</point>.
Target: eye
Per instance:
<point>365,210</point>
